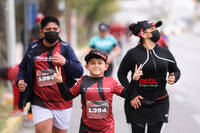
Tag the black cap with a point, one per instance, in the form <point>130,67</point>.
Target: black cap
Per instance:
<point>96,53</point>
<point>103,27</point>
<point>147,24</point>
<point>136,28</point>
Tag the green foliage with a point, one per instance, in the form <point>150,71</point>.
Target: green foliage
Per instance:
<point>3,47</point>
<point>92,11</point>
<point>95,9</point>
<point>5,109</point>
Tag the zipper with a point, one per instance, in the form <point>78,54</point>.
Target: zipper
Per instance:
<point>154,63</point>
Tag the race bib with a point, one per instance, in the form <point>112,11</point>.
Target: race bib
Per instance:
<point>97,109</point>
<point>45,77</point>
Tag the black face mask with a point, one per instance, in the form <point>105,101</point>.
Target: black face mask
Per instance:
<point>155,36</point>
<point>51,37</point>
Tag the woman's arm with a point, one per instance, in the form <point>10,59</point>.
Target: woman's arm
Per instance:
<point>130,92</point>
<point>173,68</point>
<point>124,68</point>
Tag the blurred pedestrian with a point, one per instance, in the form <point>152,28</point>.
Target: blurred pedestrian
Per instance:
<point>105,42</point>
<point>163,40</point>
<point>35,32</point>
<point>117,30</point>
<point>149,64</point>
<point>51,113</point>
<point>10,74</point>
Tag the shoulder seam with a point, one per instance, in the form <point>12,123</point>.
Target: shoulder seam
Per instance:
<point>64,43</point>
<point>34,45</point>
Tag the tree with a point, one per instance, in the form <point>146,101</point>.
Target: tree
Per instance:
<point>3,47</point>
<point>92,11</point>
<point>49,7</point>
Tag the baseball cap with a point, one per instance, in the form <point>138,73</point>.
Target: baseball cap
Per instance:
<point>147,24</point>
<point>39,17</point>
<point>103,27</point>
<point>96,53</point>
<point>136,28</point>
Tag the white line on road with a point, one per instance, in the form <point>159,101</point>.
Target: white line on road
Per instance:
<point>179,98</point>
<point>196,117</point>
<point>163,128</point>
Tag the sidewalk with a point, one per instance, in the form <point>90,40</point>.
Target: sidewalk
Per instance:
<point>13,123</point>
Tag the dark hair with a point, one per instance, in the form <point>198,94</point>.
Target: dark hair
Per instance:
<point>135,30</point>
<point>48,19</point>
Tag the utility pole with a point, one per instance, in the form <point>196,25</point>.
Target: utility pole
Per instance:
<point>68,21</point>
<point>25,32</point>
<point>74,28</point>
<point>10,35</point>
<point>11,32</point>
<point>30,11</point>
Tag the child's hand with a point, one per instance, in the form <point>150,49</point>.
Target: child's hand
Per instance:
<point>57,76</point>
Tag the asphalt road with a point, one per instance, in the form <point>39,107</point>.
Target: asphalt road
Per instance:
<point>184,116</point>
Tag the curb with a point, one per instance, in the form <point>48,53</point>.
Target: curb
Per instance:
<point>13,123</point>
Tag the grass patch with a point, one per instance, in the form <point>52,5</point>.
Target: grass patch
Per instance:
<point>5,109</point>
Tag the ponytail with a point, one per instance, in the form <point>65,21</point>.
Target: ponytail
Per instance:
<point>135,30</point>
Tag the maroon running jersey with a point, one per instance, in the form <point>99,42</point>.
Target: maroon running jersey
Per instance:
<point>46,92</point>
<point>94,104</point>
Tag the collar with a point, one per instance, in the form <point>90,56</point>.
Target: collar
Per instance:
<point>143,48</point>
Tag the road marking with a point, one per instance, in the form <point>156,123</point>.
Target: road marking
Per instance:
<point>163,128</point>
<point>179,98</point>
<point>196,117</point>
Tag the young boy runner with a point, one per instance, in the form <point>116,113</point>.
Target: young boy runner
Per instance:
<point>96,94</point>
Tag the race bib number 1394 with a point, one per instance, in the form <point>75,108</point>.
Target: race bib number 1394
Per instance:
<point>97,109</point>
